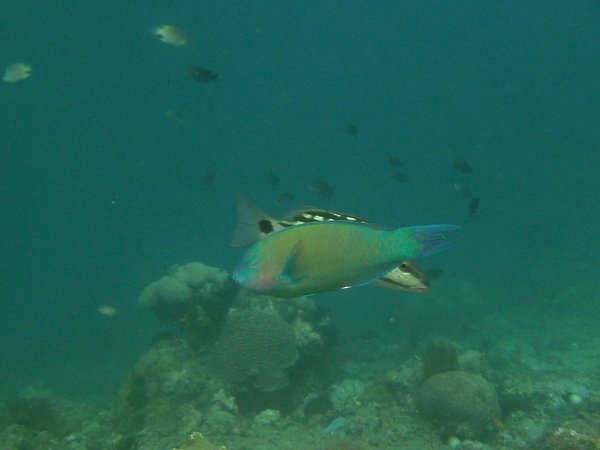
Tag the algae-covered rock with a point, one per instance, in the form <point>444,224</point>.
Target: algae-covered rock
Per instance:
<point>197,442</point>
<point>460,398</point>
<point>267,418</point>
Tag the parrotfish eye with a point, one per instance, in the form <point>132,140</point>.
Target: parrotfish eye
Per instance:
<point>404,266</point>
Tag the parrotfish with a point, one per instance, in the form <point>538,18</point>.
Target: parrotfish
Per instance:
<point>254,224</point>
<point>323,256</point>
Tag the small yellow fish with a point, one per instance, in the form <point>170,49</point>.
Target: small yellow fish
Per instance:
<point>16,72</point>
<point>172,35</point>
<point>107,310</point>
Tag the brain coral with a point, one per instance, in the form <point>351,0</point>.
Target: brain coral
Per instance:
<point>459,397</point>
<point>255,347</point>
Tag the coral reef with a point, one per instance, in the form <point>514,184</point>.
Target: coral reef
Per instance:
<point>464,401</point>
<point>441,355</point>
<point>195,295</point>
<point>197,442</point>
<point>346,394</point>
<point>255,347</point>
<point>562,438</point>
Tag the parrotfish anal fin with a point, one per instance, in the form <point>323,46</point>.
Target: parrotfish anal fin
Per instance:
<point>291,272</point>
<point>432,238</point>
<point>247,230</point>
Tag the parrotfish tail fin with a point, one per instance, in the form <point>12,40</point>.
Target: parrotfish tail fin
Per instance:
<point>432,238</point>
<point>252,223</point>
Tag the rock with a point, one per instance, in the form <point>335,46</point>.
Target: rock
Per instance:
<point>460,398</point>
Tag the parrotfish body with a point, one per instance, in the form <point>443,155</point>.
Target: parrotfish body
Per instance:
<point>254,225</point>
<point>323,256</point>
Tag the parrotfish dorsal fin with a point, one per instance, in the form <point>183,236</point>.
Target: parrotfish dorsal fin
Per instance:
<point>252,224</point>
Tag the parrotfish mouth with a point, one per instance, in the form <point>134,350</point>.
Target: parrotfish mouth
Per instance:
<point>419,289</point>
<point>253,279</point>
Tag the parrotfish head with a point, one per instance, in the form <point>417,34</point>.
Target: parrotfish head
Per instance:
<point>252,279</point>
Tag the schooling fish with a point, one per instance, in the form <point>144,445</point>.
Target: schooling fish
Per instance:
<point>254,225</point>
<point>323,256</point>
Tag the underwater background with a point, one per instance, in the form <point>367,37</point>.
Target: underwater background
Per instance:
<point>115,166</point>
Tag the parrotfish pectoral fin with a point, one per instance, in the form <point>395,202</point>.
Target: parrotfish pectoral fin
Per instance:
<point>432,238</point>
<point>247,230</point>
<point>291,272</point>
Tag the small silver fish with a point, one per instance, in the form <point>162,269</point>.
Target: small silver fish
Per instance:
<point>254,225</point>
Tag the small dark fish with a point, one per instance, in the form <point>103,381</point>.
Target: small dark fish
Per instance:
<point>173,117</point>
<point>325,190</point>
<point>462,166</point>
<point>284,198</point>
<point>474,206</point>
<point>463,190</point>
<point>273,179</point>
<point>209,177</point>
<point>399,177</point>
<point>351,129</point>
<point>201,74</point>
<point>394,162</point>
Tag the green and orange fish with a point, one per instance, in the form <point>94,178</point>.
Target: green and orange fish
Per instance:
<point>254,224</point>
<point>323,256</point>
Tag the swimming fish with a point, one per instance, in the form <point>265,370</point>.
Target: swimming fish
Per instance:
<point>255,225</point>
<point>285,197</point>
<point>399,177</point>
<point>321,256</point>
<point>463,190</point>
<point>108,310</point>
<point>462,166</point>
<point>351,129</point>
<point>394,161</point>
<point>16,72</point>
<point>474,206</point>
<point>323,189</point>
<point>172,35</point>
<point>201,74</point>
<point>273,179</point>
<point>209,177</point>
